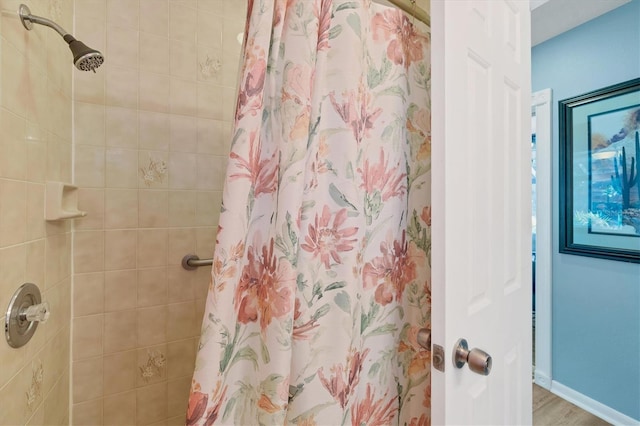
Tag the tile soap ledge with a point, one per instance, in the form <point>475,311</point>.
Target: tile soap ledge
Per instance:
<point>61,201</point>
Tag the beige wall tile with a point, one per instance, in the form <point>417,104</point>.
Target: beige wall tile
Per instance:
<point>209,105</point>
<point>121,208</point>
<point>181,357</point>
<point>151,365</point>
<point>181,321</point>
<point>120,290</point>
<point>121,168</point>
<point>13,148</point>
<point>210,29</point>
<point>180,284</point>
<point>87,336</point>
<point>178,396</point>
<point>206,239</point>
<point>120,409</point>
<point>14,79</point>
<point>59,298</point>
<point>14,408</point>
<point>88,253</point>
<point>120,372</point>
<point>153,169</point>
<point>37,418</point>
<point>182,241</point>
<point>154,131</point>
<point>183,97</point>
<point>182,170</point>
<point>183,58</point>
<point>35,262</point>
<point>90,200</point>
<point>120,248</point>
<point>182,208</point>
<point>35,223</point>
<point>36,159</point>
<point>152,326</point>
<point>12,360</point>
<point>90,166</point>
<point>90,87</point>
<point>153,106</point>
<point>122,127</point>
<point>121,13</point>
<point>154,53</point>
<point>154,209</point>
<point>182,23</point>
<point>152,287</point>
<point>151,403</point>
<point>122,45</point>
<point>90,124</point>
<point>118,335</point>
<point>154,92</point>
<point>93,9</point>
<point>152,247</point>
<point>121,86</point>
<point>211,138</point>
<point>87,379</point>
<point>208,173</point>
<point>56,404</point>
<point>228,103</point>
<point>210,64</point>
<point>184,133</point>
<point>88,294</point>
<point>13,212</point>
<point>154,17</point>
<point>57,259</point>
<point>88,413</point>
<point>208,207</point>
<point>55,357</point>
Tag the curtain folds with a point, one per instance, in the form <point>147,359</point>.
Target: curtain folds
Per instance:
<point>321,273</point>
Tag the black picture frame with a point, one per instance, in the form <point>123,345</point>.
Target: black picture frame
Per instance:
<point>599,160</point>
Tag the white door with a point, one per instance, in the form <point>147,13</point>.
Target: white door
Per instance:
<point>481,208</point>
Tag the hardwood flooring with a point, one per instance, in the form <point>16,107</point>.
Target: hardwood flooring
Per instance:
<point>551,410</point>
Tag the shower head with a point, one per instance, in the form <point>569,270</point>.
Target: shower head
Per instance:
<point>84,58</point>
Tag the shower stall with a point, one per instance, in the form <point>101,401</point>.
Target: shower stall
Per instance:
<point>145,139</point>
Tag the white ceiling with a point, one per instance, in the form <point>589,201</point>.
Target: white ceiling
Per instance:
<point>552,17</point>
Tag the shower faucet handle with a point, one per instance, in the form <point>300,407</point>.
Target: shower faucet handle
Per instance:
<point>39,313</point>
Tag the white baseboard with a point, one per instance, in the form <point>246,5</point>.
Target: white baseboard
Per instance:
<point>594,407</point>
<point>542,379</point>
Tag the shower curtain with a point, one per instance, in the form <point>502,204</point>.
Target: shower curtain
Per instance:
<point>321,274</point>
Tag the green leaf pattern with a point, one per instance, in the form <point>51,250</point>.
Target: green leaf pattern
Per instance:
<point>321,275</point>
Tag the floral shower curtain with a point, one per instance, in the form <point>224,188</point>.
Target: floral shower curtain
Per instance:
<point>321,275</point>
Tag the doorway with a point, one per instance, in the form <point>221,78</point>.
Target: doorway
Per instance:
<point>541,237</point>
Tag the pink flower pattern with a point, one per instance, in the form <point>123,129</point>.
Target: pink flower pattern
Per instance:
<point>327,240</point>
<point>320,276</point>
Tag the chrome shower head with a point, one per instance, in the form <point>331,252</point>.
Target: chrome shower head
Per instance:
<point>84,58</point>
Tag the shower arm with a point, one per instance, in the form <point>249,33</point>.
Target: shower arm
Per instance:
<point>28,20</point>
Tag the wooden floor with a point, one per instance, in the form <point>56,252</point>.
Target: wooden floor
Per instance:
<point>551,410</point>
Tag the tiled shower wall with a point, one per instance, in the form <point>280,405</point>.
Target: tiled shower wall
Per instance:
<point>152,131</point>
<point>35,147</point>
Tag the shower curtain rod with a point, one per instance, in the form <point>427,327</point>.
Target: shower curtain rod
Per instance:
<point>410,7</point>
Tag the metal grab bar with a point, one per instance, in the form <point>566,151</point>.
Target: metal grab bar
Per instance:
<point>192,261</point>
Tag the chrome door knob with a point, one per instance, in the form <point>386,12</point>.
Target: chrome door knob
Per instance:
<point>478,360</point>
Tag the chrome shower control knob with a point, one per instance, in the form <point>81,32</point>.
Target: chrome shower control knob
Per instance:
<point>38,313</point>
<point>478,360</point>
<point>23,315</point>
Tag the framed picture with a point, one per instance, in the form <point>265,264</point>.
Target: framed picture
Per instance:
<point>599,173</point>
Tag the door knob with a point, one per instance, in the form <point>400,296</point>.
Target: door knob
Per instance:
<point>479,361</point>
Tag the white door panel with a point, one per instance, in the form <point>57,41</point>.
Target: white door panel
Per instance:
<point>481,208</point>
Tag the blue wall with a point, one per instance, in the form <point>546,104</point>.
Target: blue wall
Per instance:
<point>596,303</point>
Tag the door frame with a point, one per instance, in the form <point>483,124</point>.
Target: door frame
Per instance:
<point>541,105</point>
